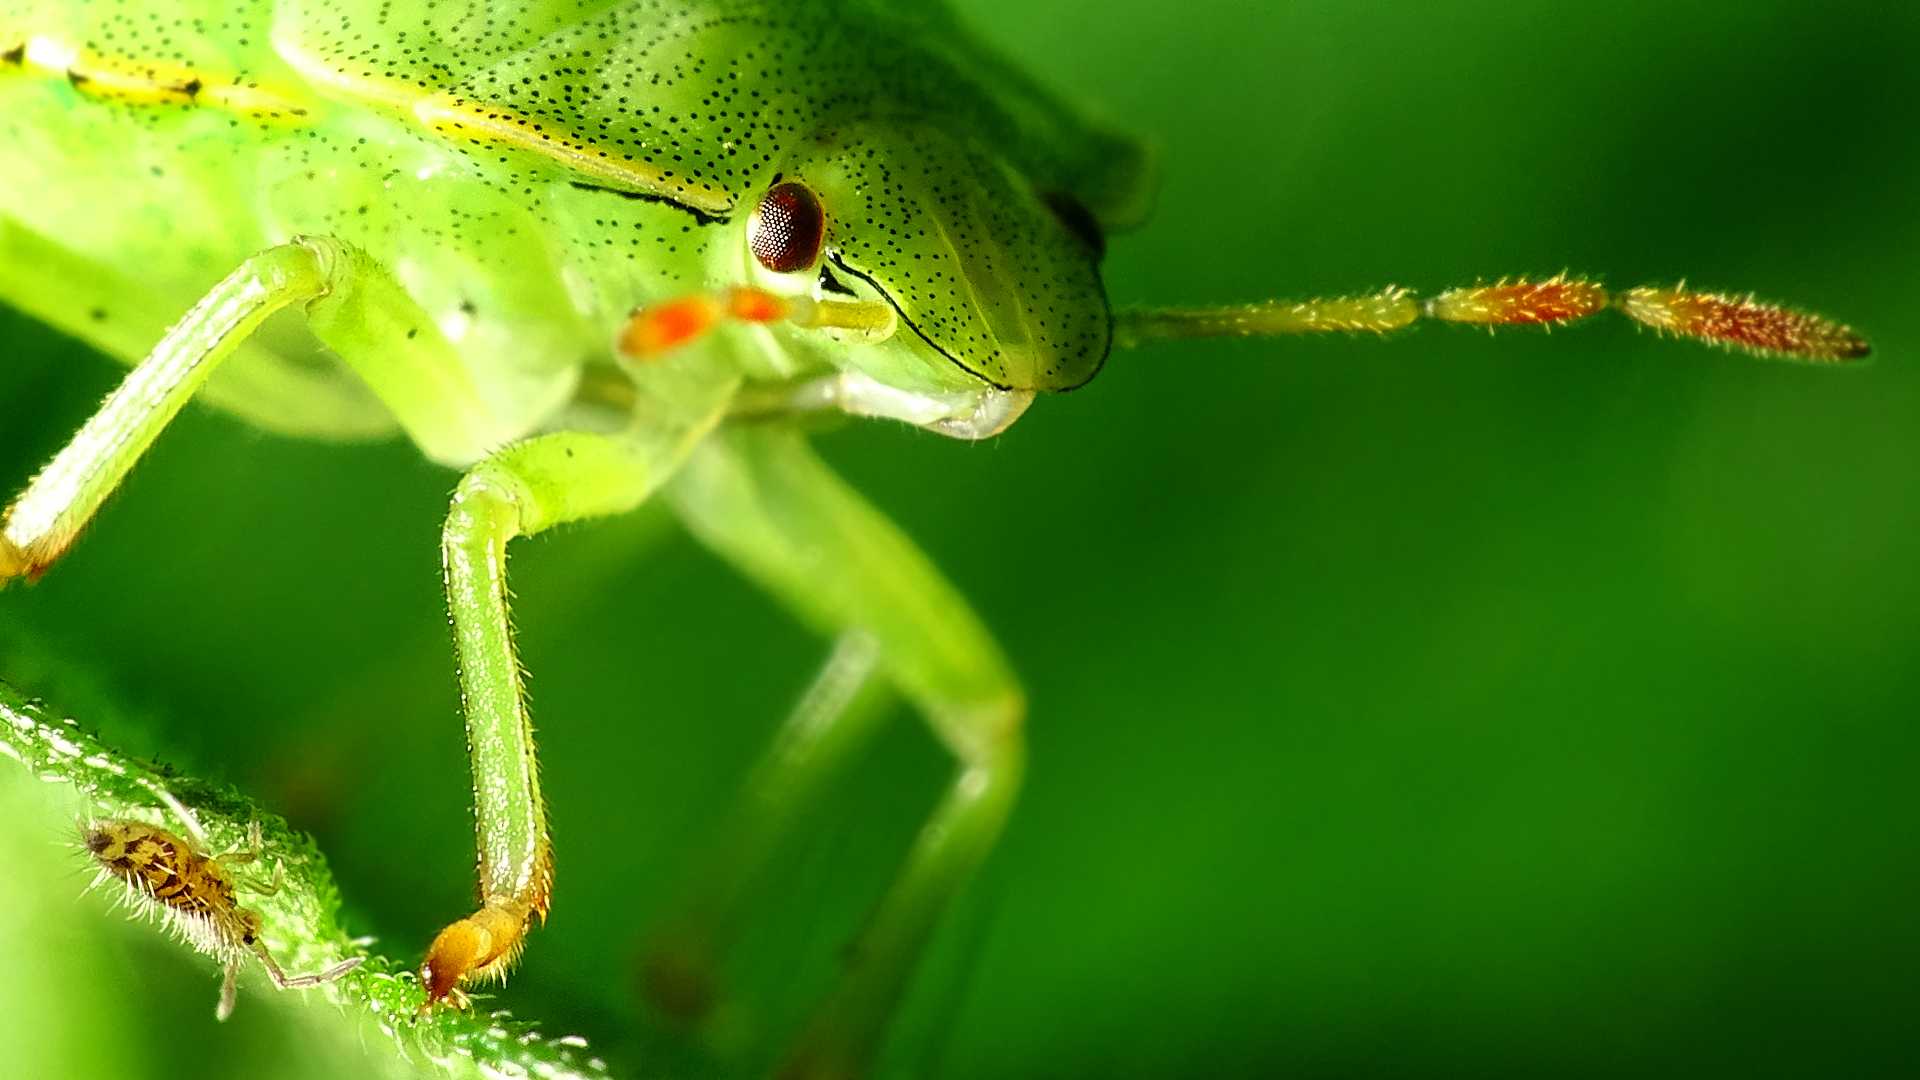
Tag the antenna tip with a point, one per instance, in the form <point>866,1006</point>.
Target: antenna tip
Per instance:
<point>1743,323</point>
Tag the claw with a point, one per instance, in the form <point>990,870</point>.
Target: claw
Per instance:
<point>483,945</point>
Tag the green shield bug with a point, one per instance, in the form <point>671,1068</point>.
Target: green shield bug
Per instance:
<point>597,254</point>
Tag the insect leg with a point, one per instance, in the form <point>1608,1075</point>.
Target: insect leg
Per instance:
<point>830,722</point>
<point>522,490</point>
<point>759,497</point>
<point>353,305</point>
<point>121,315</point>
<point>229,987</point>
<point>43,521</point>
<point>254,851</point>
<point>301,982</point>
<point>251,851</point>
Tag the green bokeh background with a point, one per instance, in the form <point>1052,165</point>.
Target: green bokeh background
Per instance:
<point>1451,706</point>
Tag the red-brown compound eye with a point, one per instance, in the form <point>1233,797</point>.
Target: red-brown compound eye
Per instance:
<point>786,230</point>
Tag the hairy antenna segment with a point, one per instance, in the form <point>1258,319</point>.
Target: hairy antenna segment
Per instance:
<point>1388,309</point>
<point>1557,300</point>
<point>1745,324</point>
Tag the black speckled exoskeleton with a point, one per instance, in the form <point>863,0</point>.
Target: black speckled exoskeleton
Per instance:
<point>597,252</point>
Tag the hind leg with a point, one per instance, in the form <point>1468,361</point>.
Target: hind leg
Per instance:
<point>759,497</point>
<point>833,719</point>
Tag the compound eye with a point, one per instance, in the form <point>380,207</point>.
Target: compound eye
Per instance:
<point>786,228</point>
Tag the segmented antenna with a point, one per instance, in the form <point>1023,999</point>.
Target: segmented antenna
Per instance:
<point>1742,323</point>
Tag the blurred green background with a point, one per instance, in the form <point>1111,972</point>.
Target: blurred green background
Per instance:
<point>1445,706</point>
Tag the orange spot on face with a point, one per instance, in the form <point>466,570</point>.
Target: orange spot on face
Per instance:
<point>756,305</point>
<point>667,326</point>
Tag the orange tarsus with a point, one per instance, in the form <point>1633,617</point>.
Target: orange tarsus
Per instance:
<point>486,943</point>
<point>482,945</point>
<point>455,952</point>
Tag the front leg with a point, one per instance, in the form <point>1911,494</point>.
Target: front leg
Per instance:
<point>43,521</point>
<point>351,303</point>
<point>518,492</point>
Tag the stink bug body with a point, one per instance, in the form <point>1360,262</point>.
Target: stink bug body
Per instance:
<point>595,254</point>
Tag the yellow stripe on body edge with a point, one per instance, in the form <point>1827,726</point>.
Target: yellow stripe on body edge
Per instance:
<point>147,82</point>
<point>452,117</point>
<point>456,118</point>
